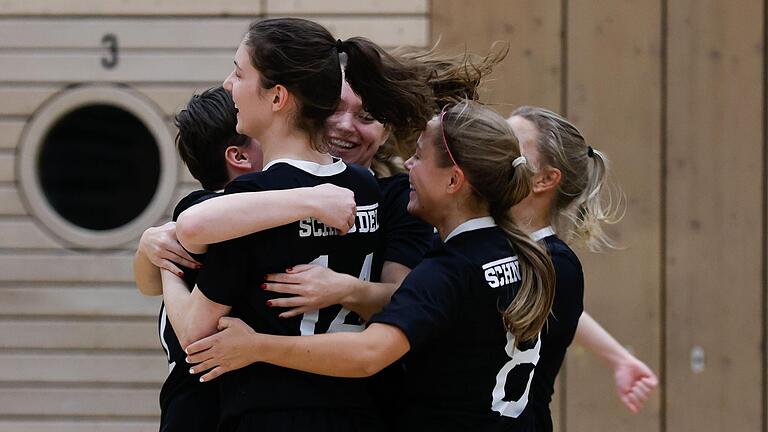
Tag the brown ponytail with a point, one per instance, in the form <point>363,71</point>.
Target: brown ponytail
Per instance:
<point>392,92</point>
<point>484,147</point>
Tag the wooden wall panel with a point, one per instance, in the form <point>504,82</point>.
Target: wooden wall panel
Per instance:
<point>79,402</point>
<point>101,301</point>
<point>79,425</point>
<point>10,201</point>
<point>25,234</point>
<point>10,132</point>
<point>22,100</point>
<point>615,98</point>
<point>51,334</point>
<point>133,7</point>
<point>293,7</point>
<point>131,33</point>
<point>67,268</point>
<point>7,171</point>
<point>89,368</point>
<point>531,73</point>
<point>715,255</point>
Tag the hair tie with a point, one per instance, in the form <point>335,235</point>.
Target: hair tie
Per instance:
<point>520,160</point>
<point>339,46</point>
<point>590,152</point>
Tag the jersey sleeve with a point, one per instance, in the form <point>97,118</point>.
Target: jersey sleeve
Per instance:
<point>569,294</point>
<point>408,238</point>
<point>427,302</point>
<point>224,274</point>
<point>193,198</point>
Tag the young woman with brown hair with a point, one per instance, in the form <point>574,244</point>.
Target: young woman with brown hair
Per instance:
<point>286,83</point>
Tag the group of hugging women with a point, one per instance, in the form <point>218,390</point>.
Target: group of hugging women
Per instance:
<point>319,283</point>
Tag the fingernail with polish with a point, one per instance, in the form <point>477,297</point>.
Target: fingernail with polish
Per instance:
<point>263,286</point>
<point>269,303</point>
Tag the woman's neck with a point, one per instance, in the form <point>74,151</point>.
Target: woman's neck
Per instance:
<point>532,214</point>
<point>452,220</point>
<point>293,145</point>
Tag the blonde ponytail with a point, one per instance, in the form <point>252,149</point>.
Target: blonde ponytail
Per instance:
<point>585,200</point>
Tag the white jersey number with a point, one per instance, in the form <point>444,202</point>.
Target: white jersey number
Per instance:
<point>309,320</point>
<point>513,408</point>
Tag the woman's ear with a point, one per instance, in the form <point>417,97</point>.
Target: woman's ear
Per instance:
<point>280,97</point>
<point>456,180</point>
<point>237,159</point>
<point>547,178</point>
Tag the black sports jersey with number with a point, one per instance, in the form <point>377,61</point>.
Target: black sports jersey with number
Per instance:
<point>558,334</point>
<point>185,402</point>
<point>461,354</point>
<point>404,240</point>
<point>404,237</point>
<point>234,271</point>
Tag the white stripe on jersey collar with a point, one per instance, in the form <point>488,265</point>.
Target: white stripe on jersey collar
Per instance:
<point>313,168</point>
<point>471,225</point>
<point>542,233</point>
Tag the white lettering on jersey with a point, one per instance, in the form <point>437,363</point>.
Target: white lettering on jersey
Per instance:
<point>367,219</point>
<point>311,227</point>
<point>502,272</point>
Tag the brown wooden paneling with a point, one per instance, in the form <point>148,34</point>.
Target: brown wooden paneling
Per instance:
<point>10,201</point>
<point>131,33</point>
<point>531,74</point>
<point>133,7</point>
<point>10,132</point>
<point>614,97</point>
<point>78,425</point>
<point>67,268</point>
<point>25,234</point>
<point>78,402</point>
<point>715,256</point>
<point>72,301</point>
<point>90,368</point>
<point>24,100</point>
<point>51,334</point>
<point>7,171</point>
<point>293,7</point>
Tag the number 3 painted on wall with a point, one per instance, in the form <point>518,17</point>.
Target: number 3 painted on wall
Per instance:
<point>109,41</point>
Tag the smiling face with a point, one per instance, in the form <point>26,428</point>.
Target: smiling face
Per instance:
<point>351,133</point>
<point>251,100</point>
<point>428,180</point>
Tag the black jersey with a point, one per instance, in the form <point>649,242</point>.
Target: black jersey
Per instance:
<point>234,271</point>
<point>461,358</point>
<point>558,334</point>
<point>186,404</point>
<point>404,237</point>
<point>404,240</point>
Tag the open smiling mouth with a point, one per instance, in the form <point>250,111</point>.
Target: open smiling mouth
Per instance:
<point>341,143</point>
